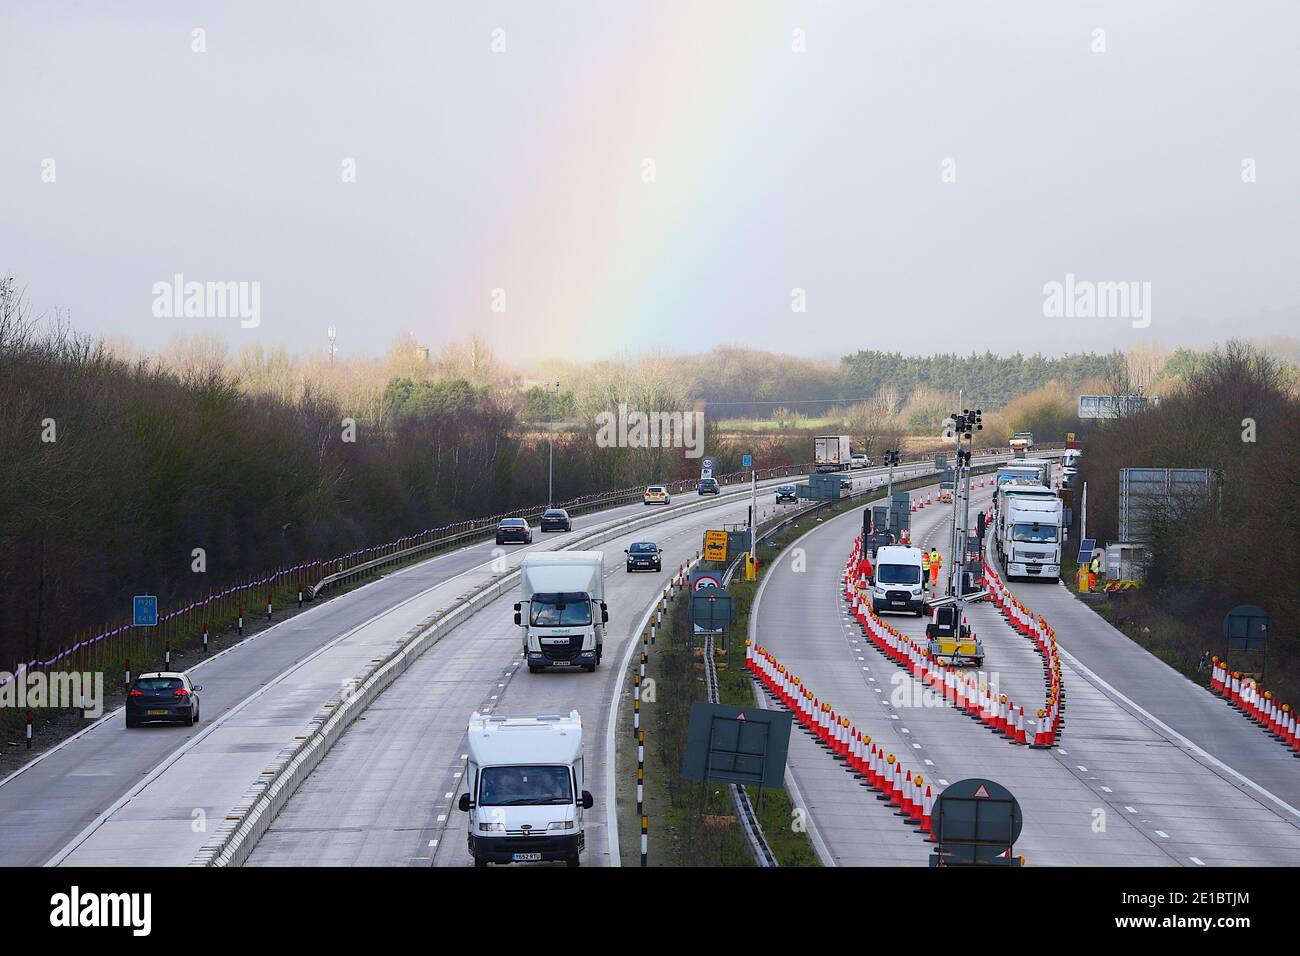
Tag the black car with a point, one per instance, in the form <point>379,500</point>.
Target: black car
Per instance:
<point>514,529</point>
<point>644,556</point>
<point>785,493</point>
<point>708,486</point>
<point>163,696</point>
<point>556,519</point>
<point>846,484</point>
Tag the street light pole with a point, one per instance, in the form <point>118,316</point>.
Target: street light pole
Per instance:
<point>550,468</point>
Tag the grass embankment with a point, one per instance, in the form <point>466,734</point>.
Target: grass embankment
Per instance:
<point>689,827</point>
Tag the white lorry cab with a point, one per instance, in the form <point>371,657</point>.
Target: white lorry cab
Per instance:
<point>897,585</point>
<point>1028,531</point>
<point>562,609</point>
<point>524,789</point>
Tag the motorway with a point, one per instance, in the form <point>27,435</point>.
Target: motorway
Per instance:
<point>1196,786</point>
<point>150,796</point>
<point>144,797</point>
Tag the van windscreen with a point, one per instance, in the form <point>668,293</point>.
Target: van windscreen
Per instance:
<point>898,574</point>
<point>524,786</point>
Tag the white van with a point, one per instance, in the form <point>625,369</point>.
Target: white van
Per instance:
<point>897,585</point>
<point>524,796</point>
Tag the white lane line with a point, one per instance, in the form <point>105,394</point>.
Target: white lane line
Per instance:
<point>1196,860</point>
<point>1170,732</point>
<point>1130,810</point>
<point>1162,834</point>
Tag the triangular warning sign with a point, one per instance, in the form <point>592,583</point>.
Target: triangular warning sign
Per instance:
<point>981,792</point>
<point>741,716</point>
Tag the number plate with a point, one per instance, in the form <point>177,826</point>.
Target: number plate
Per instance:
<point>559,663</point>
<point>898,603</point>
<point>155,713</point>
<point>525,857</point>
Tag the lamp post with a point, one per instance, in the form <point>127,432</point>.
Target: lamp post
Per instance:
<point>550,469</point>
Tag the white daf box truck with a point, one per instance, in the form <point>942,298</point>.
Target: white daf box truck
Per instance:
<point>524,789</point>
<point>562,610</point>
<point>1028,531</point>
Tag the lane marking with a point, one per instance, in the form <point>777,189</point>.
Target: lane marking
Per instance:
<point>1155,721</point>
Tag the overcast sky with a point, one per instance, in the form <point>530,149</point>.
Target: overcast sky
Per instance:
<point>656,175</point>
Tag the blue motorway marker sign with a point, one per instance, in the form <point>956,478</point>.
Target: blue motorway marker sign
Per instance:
<point>144,610</point>
<point>746,461</point>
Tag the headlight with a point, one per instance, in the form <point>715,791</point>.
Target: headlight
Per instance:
<point>916,591</point>
<point>492,827</point>
<point>560,825</point>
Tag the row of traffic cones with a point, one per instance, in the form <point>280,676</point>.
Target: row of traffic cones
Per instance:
<point>1243,693</point>
<point>1022,620</point>
<point>912,798</point>
<point>961,690</point>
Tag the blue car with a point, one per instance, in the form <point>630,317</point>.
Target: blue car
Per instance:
<point>163,697</point>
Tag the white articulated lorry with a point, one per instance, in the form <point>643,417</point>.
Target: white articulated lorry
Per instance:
<point>524,789</point>
<point>1028,530</point>
<point>562,609</point>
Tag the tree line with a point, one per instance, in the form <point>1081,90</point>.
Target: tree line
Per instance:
<point>1235,410</point>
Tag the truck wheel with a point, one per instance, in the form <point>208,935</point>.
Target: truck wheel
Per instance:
<point>573,861</point>
<point>478,862</point>
<point>589,668</point>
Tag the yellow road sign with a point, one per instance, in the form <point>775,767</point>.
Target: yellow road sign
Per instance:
<point>715,546</point>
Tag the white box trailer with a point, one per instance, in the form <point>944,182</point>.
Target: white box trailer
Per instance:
<point>524,789</point>
<point>832,453</point>
<point>1027,535</point>
<point>562,609</point>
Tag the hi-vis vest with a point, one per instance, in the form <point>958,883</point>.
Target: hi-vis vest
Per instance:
<point>925,560</point>
<point>936,561</point>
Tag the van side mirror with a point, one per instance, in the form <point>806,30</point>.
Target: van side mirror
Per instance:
<point>588,801</point>
<point>604,613</point>
<point>465,802</point>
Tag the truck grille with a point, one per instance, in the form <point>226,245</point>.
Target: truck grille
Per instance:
<point>563,652</point>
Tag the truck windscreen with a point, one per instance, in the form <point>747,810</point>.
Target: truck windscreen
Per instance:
<point>1034,533</point>
<point>559,610</point>
<point>898,574</point>
<point>524,786</point>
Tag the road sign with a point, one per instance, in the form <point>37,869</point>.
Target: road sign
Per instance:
<point>711,611</point>
<point>707,466</point>
<point>715,546</point>
<point>747,461</point>
<point>705,579</point>
<point>976,823</point>
<point>1115,406</point>
<point>745,745</point>
<point>144,610</point>
<point>1246,628</point>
